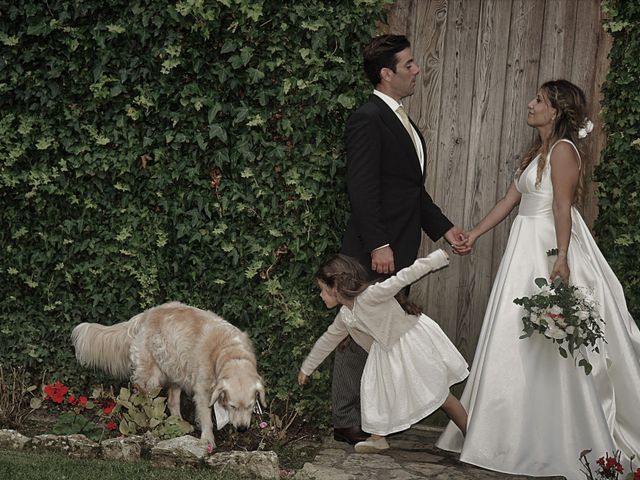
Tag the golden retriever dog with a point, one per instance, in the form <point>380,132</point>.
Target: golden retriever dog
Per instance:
<point>181,348</point>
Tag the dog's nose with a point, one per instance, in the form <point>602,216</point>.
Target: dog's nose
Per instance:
<point>242,429</point>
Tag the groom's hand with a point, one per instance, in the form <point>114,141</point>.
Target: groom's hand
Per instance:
<point>457,238</point>
<point>382,260</point>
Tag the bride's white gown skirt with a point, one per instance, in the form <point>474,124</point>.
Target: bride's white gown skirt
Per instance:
<point>530,410</point>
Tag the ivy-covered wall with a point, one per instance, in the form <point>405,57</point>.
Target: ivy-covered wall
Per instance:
<point>618,174</point>
<point>191,150</point>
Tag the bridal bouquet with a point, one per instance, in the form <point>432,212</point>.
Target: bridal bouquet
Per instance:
<point>565,314</point>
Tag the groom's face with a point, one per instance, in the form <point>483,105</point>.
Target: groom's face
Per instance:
<point>402,82</point>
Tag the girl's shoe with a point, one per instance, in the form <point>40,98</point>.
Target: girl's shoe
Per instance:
<point>372,446</point>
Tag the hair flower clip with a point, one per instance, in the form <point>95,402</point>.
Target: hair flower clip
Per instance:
<point>586,129</point>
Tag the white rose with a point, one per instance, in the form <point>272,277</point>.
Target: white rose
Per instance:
<point>555,332</point>
<point>582,315</point>
<point>555,310</point>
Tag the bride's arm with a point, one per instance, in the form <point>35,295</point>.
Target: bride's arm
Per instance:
<point>565,173</point>
<point>496,214</point>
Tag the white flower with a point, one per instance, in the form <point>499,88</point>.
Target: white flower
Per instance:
<point>534,319</point>
<point>570,329</point>
<point>555,310</point>
<point>586,129</point>
<point>580,294</point>
<point>545,291</point>
<point>555,332</point>
<point>582,315</point>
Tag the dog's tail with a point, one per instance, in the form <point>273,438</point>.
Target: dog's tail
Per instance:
<point>106,347</point>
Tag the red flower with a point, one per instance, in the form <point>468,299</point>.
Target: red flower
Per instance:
<point>56,392</point>
<point>83,401</point>
<point>636,475</point>
<point>112,426</point>
<point>62,389</point>
<point>609,467</point>
<point>72,400</point>
<point>108,408</point>
<point>48,391</point>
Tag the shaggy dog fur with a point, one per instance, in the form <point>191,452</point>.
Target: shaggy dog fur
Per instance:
<point>181,348</point>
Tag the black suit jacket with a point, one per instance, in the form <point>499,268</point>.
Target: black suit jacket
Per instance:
<point>389,204</point>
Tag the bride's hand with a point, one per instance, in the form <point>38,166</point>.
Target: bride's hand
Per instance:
<point>472,236</point>
<point>560,269</point>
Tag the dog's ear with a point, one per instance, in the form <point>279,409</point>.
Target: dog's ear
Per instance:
<point>261,394</point>
<point>218,393</point>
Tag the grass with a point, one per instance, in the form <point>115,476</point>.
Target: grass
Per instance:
<point>33,466</point>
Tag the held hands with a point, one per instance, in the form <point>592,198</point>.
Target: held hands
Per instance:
<point>302,378</point>
<point>459,240</point>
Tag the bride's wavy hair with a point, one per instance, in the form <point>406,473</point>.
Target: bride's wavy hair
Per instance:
<point>570,104</point>
<point>350,279</point>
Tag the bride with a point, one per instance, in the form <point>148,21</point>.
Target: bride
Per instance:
<point>531,411</point>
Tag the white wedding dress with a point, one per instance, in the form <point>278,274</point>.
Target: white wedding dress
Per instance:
<point>531,411</point>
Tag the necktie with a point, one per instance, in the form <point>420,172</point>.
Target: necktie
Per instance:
<point>407,125</point>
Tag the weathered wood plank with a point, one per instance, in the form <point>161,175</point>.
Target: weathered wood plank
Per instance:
<point>599,137</point>
<point>584,73</point>
<point>523,63</point>
<point>400,18</point>
<point>557,40</point>
<point>424,105</point>
<point>486,124</point>
<point>453,153</point>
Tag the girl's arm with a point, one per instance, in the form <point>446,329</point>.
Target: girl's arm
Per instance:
<point>496,214</point>
<point>326,344</point>
<point>388,288</point>
<point>565,173</point>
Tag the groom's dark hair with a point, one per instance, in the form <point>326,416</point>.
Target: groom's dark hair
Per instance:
<point>381,53</point>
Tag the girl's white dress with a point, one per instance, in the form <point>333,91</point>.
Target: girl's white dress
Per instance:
<point>411,362</point>
<point>530,410</point>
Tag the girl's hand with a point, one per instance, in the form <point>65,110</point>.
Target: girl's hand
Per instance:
<point>302,378</point>
<point>560,269</point>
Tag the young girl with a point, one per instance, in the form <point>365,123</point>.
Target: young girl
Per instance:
<point>411,362</point>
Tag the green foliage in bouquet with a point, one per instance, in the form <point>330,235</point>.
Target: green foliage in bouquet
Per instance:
<point>187,150</point>
<point>565,314</point>
<point>617,226</point>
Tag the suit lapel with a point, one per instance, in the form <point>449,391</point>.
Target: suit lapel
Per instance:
<point>424,150</point>
<point>394,124</point>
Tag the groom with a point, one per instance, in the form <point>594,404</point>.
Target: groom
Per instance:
<point>386,157</point>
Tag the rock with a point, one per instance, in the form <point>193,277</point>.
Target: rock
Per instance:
<point>369,461</point>
<point>12,440</point>
<point>186,450</point>
<point>322,472</point>
<point>259,465</point>
<point>128,449</point>
<point>330,457</point>
<point>76,446</point>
